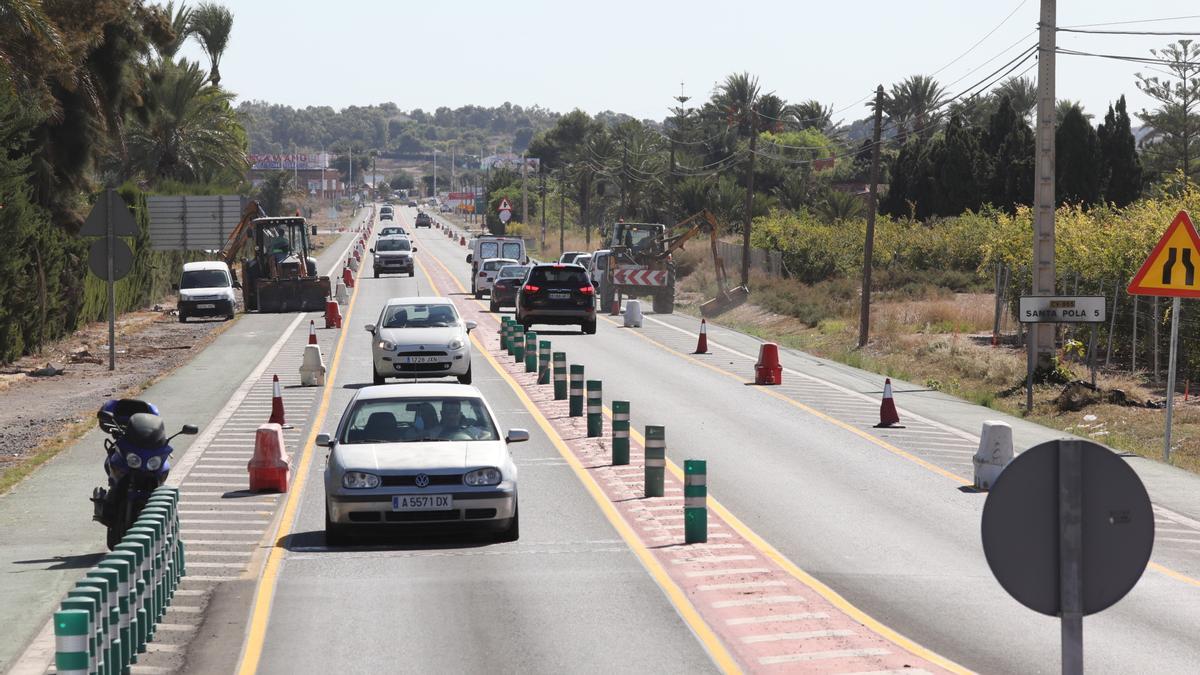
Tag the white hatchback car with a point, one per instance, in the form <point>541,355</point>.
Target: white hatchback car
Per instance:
<point>420,453</point>
<point>420,337</point>
<point>487,274</point>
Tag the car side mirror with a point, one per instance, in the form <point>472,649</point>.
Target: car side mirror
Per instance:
<point>516,436</point>
<point>471,325</point>
<point>370,328</point>
<point>324,440</point>
<point>372,249</point>
<point>414,249</point>
<point>190,430</point>
<point>469,257</point>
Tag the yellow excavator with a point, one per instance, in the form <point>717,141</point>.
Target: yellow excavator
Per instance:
<point>640,263</point>
<point>278,275</point>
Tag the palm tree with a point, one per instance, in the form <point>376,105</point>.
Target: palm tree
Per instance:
<point>1021,93</point>
<point>810,114</point>
<point>1064,106</point>
<point>212,23</point>
<point>912,106</point>
<point>27,20</point>
<point>181,27</point>
<point>839,206</point>
<point>191,133</point>
<point>739,99</point>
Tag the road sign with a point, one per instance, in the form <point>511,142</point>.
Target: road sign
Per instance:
<point>504,205</point>
<point>192,223</point>
<point>505,216</point>
<point>1062,309</point>
<point>1067,531</point>
<point>122,220</point>
<point>1170,269</point>
<point>98,258</point>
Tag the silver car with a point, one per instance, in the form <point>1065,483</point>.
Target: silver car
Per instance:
<point>420,337</point>
<point>420,453</point>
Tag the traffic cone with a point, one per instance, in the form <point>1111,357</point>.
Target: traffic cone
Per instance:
<point>268,467</point>
<point>333,314</point>
<point>276,402</point>
<point>888,417</point>
<point>702,341</point>
<point>312,332</point>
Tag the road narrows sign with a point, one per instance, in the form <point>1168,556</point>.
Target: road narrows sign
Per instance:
<point>1171,268</point>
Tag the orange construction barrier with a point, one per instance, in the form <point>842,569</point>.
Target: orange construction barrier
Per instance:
<point>768,370</point>
<point>347,277</point>
<point>269,466</point>
<point>333,314</point>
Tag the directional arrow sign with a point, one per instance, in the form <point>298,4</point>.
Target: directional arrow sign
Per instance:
<point>1171,269</point>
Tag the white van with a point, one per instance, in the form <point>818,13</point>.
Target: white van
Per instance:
<point>489,246</point>
<point>206,289</point>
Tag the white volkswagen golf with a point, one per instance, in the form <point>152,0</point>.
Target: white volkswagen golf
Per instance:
<point>420,453</point>
<point>420,337</point>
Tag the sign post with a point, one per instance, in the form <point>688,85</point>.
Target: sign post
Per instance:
<point>1170,271</point>
<point>110,258</point>
<point>1056,309</point>
<point>505,213</point>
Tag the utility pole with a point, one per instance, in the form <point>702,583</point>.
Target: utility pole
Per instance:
<point>562,209</point>
<point>864,320</point>
<point>542,192</point>
<point>1042,346</point>
<point>749,198</point>
<point>351,186</point>
<point>434,191</point>
<point>524,191</point>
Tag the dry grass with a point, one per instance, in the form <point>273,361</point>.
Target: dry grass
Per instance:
<point>944,343</point>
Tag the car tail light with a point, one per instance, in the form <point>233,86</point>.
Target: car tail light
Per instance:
<point>530,288</point>
<point>588,290</point>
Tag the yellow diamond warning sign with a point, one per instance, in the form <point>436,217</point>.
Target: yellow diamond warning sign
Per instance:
<point>1171,269</point>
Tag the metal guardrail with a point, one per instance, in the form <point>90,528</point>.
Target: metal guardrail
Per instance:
<point>111,614</point>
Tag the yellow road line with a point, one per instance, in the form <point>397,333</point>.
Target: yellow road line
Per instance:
<point>265,592</point>
<point>712,644</point>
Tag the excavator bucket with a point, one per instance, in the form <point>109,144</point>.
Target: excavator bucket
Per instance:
<point>305,294</point>
<point>725,301</point>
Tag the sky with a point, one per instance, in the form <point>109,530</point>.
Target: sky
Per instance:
<point>632,57</point>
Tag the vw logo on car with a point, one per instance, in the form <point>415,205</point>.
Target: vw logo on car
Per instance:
<point>421,480</point>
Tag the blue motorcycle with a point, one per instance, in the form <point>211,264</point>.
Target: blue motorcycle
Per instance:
<point>138,461</point>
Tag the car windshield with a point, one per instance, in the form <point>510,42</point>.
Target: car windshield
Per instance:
<point>388,231</point>
<point>204,279</point>
<point>559,275</point>
<point>416,420</point>
<point>495,264</point>
<point>513,272</point>
<point>419,316</point>
<point>392,245</point>
<point>634,238</point>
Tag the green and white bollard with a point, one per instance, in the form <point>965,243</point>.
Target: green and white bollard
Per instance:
<point>126,604</point>
<point>99,627</point>
<point>506,334</point>
<point>560,376</point>
<point>656,460</point>
<point>531,352</point>
<point>108,621</point>
<point>595,412</point>
<point>71,654</point>
<point>695,501</point>
<point>86,605</point>
<point>575,402</point>
<point>117,628</point>
<point>512,333</point>
<point>620,433</point>
<point>138,542</point>
<point>544,362</point>
<point>518,345</point>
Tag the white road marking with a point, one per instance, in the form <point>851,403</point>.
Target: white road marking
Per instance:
<point>820,656</point>
<point>804,635</point>
<point>776,618</point>
<point>759,600</point>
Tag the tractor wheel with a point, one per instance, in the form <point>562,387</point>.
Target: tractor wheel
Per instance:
<point>664,302</point>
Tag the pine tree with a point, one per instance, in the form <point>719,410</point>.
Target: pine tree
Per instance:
<point>1008,144</point>
<point>1120,166</point>
<point>1076,160</point>
<point>958,171</point>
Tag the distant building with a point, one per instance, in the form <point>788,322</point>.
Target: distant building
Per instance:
<point>312,171</point>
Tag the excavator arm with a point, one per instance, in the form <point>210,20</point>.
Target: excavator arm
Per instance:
<point>241,234</point>
<point>727,298</point>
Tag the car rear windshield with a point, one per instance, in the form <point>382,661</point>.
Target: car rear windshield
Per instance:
<point>489,249</point>
<point>495,264</point>
<point>415,420</point>
<point>513,272</point>
<point>419,316</point>
<point>392,245</point>
<point>559,275</point>
<point>512,250</point>
<point>204,279</point>
<point>388,231</point>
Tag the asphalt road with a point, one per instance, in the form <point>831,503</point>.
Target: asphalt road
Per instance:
<point>896,539</point>
<point>568,597</point>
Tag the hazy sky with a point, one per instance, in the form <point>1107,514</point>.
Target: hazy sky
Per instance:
<point>632,56</point>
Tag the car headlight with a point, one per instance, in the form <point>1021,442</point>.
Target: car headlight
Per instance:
<point>488,476</point>
<point>154,462</point>
<point>387,345</point>
<point>133,461</point>
<point>455,344</point>
<point>357,480</point>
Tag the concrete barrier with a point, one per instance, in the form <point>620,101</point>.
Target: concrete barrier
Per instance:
<point>312,368</point>
<point>633,313</point>
<point>994,453</point>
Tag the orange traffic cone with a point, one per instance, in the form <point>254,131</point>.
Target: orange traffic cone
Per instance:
<point>312,332</point>
<point>888,417</point>
<point>702,341</point>
<point>276,402</point>
<point>269,466</point>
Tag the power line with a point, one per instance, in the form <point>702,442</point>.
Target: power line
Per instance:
<point>1129,23</point>
<point>1124,32</point>
<point>1131,59</point>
